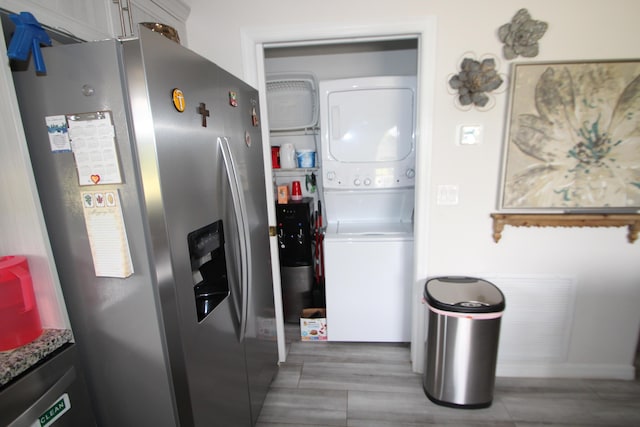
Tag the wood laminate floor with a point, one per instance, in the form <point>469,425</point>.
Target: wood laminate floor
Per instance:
<point>372,385</point>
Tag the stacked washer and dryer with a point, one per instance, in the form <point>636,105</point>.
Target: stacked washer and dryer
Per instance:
<point>367,152</point>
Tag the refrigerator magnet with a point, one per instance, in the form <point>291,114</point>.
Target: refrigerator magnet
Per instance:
<point>178,100</point>
<point>254,114</point>
<point>233,98</point>
<point>247,138</point>
<point>202,110</point>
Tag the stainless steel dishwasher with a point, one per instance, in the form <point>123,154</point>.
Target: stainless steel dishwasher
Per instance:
<point>51,393</point>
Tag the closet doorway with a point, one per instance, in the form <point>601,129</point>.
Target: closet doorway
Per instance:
<point>259,44</point>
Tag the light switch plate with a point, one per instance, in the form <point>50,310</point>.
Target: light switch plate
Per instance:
<point>469,134</point>
<point>447,195</point>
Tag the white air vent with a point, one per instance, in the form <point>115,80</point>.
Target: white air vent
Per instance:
<point>292,101</point>
<point>536,325</point>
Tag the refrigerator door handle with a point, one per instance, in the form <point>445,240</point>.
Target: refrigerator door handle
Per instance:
<point>240,209</point>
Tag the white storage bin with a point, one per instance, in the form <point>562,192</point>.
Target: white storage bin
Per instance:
<point>292,101</point>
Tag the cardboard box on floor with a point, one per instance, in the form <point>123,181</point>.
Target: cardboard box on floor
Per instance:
<point>313,324</point>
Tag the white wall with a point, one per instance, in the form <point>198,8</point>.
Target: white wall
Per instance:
<point>22,229</point>
<point>327,64</point>
<point>605,265</point>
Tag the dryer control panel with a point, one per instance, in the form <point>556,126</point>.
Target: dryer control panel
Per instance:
<point>349,177</point>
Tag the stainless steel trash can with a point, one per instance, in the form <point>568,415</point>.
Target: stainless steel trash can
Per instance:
<point>461,347</point>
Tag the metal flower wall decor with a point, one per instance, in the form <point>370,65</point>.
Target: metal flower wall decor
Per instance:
<point>474,80</point>
<point>521,35</point>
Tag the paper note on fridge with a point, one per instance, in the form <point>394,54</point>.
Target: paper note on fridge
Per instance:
<point>57,131</point>
<point>107,234</point>
<point>93,143</point>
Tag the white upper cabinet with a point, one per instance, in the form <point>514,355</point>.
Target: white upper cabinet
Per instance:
<point>84,19</point>
<point>101,19</point>
<point>169,12</point>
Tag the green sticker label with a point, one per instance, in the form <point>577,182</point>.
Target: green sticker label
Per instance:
<point>48,417</point>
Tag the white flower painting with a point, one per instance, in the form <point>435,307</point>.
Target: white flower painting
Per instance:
<point>573,137</point>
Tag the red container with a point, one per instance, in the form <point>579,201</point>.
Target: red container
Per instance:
<point>19,316</point>
<point>275,157</point>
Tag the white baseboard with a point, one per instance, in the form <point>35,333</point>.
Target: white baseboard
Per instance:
<point>566,370</point>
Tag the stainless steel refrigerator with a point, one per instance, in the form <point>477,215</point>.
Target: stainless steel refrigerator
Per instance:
<point>149,166</point>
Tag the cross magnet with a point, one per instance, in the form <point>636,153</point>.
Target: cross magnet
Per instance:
<point>202,109</point>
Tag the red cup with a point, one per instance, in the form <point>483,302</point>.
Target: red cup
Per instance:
<point>296,191</point>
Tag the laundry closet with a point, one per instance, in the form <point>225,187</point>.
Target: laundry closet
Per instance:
<point>342,125</point>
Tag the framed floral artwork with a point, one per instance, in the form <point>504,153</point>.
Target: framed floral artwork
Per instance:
<point>572,141</point>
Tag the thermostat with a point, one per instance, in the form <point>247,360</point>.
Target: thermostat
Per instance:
<point>469,134</point>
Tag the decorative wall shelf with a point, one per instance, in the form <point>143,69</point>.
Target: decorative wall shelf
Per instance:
<point>566,220</point>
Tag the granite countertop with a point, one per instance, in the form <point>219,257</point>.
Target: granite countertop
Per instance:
<point>16,361</point>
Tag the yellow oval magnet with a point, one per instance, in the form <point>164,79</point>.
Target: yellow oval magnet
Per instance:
<point>178,100</point>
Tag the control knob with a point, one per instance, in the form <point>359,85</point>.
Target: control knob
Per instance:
<point>410,173</point>
<point>331,175</point>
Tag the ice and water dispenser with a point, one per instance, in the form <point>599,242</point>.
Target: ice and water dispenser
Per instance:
<point>208,268</point>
